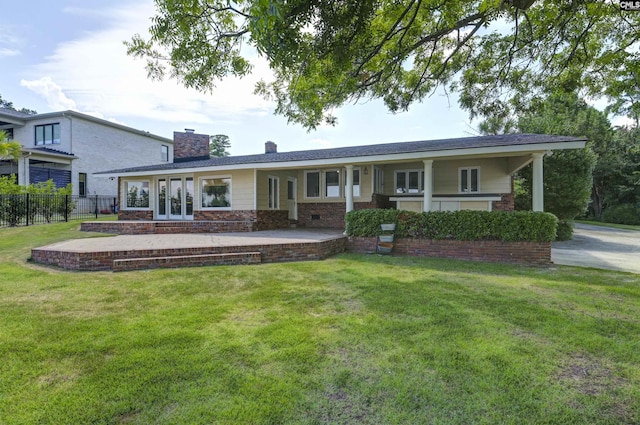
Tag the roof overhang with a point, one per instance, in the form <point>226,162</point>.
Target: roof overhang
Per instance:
<point>445,154</point>
<point>39,155</point>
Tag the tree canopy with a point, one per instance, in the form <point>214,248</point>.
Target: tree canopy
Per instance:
<point>9,105</point>
<point>498,55</point>
<point>9,149</point>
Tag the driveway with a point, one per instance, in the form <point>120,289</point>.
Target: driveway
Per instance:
<point>601,248</point>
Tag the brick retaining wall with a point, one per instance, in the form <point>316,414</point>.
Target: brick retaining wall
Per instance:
<point>164,227</point>
<point>270,253</point>
<point>530,253</point>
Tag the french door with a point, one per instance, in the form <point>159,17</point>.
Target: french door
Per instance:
<point>175,198</point>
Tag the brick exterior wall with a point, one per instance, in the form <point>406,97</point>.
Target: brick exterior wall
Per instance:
<point>231,215</point>
<point>331,214</point>
<point>529,253</point>
<point>321,214</point>
<point>272,219</point>
<point>135,214</point>
<point>190,146</point>
<point>507,203</point>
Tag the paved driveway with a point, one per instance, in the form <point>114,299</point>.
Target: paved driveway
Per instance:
<point>600,247</point>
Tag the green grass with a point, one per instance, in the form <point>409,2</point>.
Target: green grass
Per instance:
<point>614,225</point>
<point>354,339</point>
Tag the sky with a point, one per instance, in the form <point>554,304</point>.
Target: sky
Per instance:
<point>70,55</point>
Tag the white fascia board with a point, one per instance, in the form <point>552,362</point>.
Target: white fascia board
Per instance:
<point>13,120</point>
<point>359,160</point>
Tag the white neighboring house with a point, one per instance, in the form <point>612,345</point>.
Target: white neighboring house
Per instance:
<point>69,147</point>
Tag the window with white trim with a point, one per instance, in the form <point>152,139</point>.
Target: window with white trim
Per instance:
<point>274,193</point>
<point>356,183</point>
<point>312,184</point>
<point>409,181</point>
<point>469,178</point>
<point>137,194</point>
<point>164,153</point>
<point>332,184</point>
<point>378,180</point>
<point>215,193</point>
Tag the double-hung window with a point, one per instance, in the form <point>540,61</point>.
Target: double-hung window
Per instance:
<point>332,184</point>
<point>312,184</point>
<point>48,134</point>
<point>409,181</point>
<point>274,193</point>
<point>469,179</point>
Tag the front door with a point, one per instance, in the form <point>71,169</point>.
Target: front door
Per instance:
<point>175,198</point>
<point>292,198</point>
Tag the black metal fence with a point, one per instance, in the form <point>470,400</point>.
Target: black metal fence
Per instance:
<point>29,209</point>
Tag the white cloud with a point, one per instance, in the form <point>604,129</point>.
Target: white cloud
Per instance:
<point>9,42</point>
<point>51,92</point>
<point>97,74</point>
<point>5,52</point>
<point>623,121</point>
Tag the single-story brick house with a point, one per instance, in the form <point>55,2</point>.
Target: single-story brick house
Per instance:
<point>315,188</point>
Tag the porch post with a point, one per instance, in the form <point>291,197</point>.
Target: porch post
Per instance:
<point>538,183</point>
<point>428,184</point>
<point>349,188</point>
<point>23,170</point>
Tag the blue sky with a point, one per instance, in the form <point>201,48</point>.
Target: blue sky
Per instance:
<point>70,55</point>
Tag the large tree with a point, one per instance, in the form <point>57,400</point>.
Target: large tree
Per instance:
<point>219,145</point>
<point>497,54</point>
<point>568,174</point>
<point>9,105</point>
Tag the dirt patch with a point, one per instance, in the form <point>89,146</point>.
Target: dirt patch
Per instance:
<point>588,375</point>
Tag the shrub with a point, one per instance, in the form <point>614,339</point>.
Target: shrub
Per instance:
<point>457,225</point>
<point>367,222</point>
<point>565,230</point>
<point>622,214</point>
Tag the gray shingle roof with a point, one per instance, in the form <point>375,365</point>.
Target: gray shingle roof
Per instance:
<point>49,150</point>
<point>363,151</point>
<point>12,113</point>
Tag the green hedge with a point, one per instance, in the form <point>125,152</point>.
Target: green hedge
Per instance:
<point>457,225</point>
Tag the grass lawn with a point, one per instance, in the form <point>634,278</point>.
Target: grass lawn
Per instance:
<point>355,339</point>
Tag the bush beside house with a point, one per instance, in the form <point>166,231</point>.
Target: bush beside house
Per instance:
<point>519,237</point>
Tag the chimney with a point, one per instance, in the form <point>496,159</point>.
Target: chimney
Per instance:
<point>190,146</point>
<point>270,147</point>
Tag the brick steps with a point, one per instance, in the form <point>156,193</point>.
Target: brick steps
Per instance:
<point>125,264</point>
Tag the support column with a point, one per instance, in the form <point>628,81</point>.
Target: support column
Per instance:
<point>428,184</point>
<point>349,188</point>
<point>538,183</point>
<point>23,170</point>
